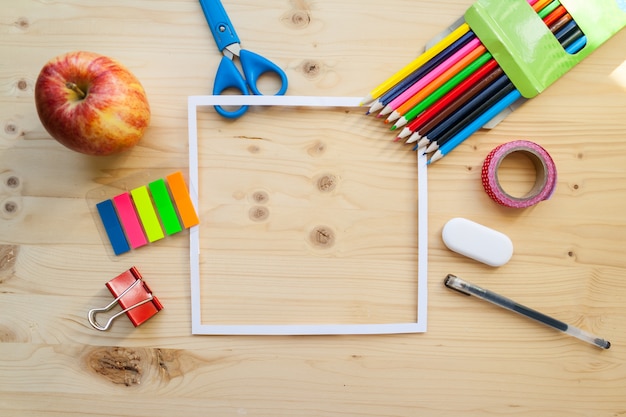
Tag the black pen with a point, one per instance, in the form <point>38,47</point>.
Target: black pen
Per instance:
<point>456,283</point>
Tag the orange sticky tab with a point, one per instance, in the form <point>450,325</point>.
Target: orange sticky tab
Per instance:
<point>186,210</point>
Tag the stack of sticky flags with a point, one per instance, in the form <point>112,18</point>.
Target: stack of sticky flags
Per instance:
<point>148,213</point>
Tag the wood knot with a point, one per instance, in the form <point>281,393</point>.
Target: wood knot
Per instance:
<point>168,362</point>
<point>8,257</point>
<point>317,148</point>
<point>17,335</point>
<point>22,23</point>
<point>322,237</point>
<point>259,213</point>
<point>22,85</point>
<point>11,129</point>
<point>297,19</point>
<point>119,365</point>
<point>9,208</point>
<point>327,183</point>
<point>12,182</point>
<point>260,197</point>
<point>311,69</point>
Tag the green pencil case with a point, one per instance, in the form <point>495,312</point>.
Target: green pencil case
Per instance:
<point>525,48</point>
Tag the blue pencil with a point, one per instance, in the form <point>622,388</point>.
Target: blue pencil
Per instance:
<point>492,112</point>
<point>468,112</point>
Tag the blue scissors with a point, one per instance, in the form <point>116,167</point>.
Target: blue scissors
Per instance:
<point>253,65</point>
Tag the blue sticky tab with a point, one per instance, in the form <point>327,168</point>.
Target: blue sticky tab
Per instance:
<point>113,227</point>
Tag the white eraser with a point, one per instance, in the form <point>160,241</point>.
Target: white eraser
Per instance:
<point>477,242</point>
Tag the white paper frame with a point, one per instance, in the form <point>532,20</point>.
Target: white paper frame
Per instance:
<point>198,328</point>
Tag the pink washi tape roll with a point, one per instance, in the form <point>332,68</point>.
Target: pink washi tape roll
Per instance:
<point>545,179</point>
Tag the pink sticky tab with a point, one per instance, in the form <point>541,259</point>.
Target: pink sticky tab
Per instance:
<point>130,221</point>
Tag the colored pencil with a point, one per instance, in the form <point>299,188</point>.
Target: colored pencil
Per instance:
<point>480,121</point>
<point>437,127</point>
<point>539,5</point>
<point>549,8</point>
<point>416,63</point>
<point>555,16</point>
<point>455,98</point>
<point>476,124</point>
<point>561,22</point>
<point>468,112</point>
<point>438,82</point>
<point>453,84</point>
<point>420,72</point>
<point>423,82</point>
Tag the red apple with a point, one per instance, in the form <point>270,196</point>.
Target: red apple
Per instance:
<point>91,103</point>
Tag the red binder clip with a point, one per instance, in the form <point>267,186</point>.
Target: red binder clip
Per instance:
<point>134,296</point>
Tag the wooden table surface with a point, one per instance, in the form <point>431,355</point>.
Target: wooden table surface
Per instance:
<point>474,360</point>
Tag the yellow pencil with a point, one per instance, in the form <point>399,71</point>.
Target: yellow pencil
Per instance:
<point>416,63</point>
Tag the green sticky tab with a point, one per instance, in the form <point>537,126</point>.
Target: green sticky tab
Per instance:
<point>524,46</point>
<point>164,206</point>
<point>147,215</point>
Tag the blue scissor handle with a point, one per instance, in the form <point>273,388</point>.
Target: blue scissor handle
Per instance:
<point>228,76</point>
<point>255,65</point>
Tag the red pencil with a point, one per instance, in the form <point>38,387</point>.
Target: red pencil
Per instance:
<point>424,132</point>
<point>440,105</point>
<point>434,84</point>
<point>555,15</point>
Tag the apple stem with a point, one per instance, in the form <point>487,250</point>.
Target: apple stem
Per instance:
<point>72,86</point>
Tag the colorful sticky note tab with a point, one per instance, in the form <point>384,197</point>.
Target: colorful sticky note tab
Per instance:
<point>186,210</point>
<point>130,221</point>
<point>146,212</point>
<point>164,206</point>
<point>113,227</point>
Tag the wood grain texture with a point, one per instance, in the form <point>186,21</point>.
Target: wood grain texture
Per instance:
<point>475,360</point>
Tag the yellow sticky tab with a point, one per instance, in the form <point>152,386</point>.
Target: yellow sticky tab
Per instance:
<point>147,214</point>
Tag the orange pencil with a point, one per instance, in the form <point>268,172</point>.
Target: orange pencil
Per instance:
<point>541,4</point>
<point>436,83</point>
<point>555,15</point>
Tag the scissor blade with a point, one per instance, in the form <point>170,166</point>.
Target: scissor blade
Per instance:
<point>232,50</point>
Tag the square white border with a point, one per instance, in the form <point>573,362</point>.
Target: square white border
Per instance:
<point>199,328</point>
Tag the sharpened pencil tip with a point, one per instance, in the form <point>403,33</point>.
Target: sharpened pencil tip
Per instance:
<point>375,106</point>
<point>401,122</point>
<point>386,110</point>
<point>367,100</point>
<point>393,116</point>
<point>437,156</point>
<point>406,132</point>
